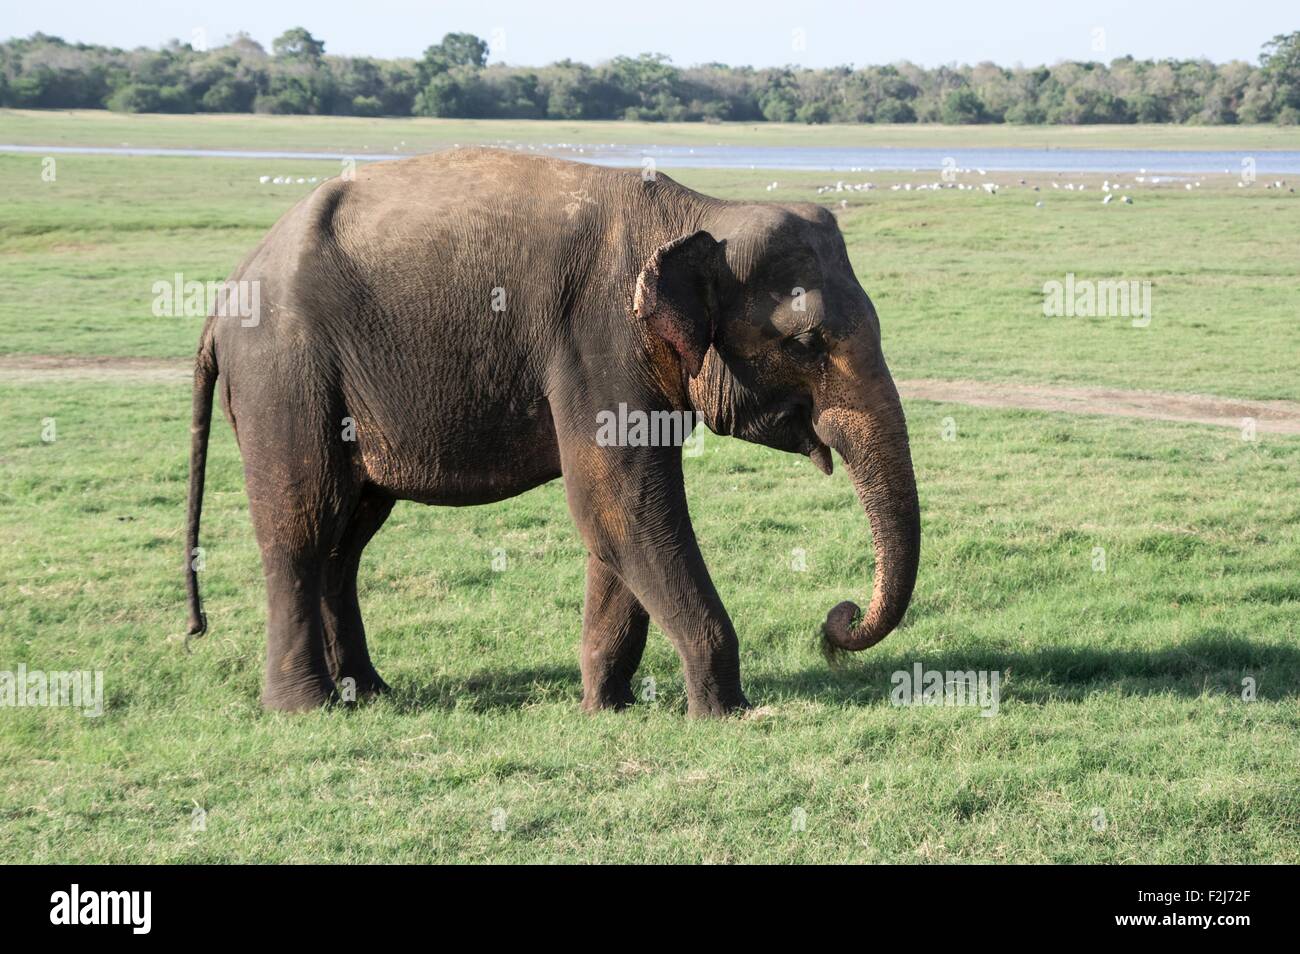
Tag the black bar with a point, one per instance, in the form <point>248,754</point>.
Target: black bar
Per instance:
<point>309,902</point>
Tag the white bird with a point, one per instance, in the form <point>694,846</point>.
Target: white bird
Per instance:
<point>1038,204</point>
<point>991,188</point>
<point>1126,200</point>
<point>264,180</point>
<point>1106,201</point>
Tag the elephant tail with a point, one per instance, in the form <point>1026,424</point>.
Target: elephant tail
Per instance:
<point>205,380</point>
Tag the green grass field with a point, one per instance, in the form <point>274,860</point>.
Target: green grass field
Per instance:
<point>353,134</point>
<point>1121,735</point>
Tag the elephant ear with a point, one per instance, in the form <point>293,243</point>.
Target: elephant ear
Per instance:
<point>677,296</point>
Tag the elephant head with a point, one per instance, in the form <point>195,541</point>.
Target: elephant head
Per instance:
<point>781,347</point>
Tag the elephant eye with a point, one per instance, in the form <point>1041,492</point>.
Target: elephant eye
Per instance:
<point>805,346</point>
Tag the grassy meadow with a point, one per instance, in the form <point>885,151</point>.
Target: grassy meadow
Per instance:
<point>96,127</point>
<point>1121,735</point>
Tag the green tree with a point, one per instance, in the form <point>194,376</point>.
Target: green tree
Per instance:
<point>464,49</point>
<point>892,110</point>
<point>813,113</point>
<point>445,95</point>
<point>135,98</point>
<point>298,44</point>
<point>963,106</point>
<point>647,86</point>
<point>780,100</point>
<point>1281,63</point>
<point>229,96</point>
<point>568,91</point>
<point>456,50</point>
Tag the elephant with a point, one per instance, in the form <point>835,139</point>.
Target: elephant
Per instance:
<point>449,328</point>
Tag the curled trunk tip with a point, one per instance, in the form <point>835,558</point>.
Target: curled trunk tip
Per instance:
<point>847,631</point>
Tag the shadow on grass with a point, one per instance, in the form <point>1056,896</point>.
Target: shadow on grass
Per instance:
<point>487,691</point>
<point>1213,663</point>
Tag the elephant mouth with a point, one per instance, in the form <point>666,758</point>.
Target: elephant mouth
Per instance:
<point>795,422</point>
<point>784,425</point>
<point>820,455</point>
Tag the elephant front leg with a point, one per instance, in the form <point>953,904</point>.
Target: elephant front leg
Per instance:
<point>630,505</point>
<point>614,627</point>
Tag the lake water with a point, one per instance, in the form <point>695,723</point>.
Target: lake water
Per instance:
<point>806,158</point>
<point>845,159</point>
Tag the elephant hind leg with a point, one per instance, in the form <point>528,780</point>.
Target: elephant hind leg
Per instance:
<point>300,501</point>
<point>297,677</point>
<point>614,627</point>
<point>346,654</point>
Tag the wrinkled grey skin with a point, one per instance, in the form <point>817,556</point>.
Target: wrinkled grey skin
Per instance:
<point>377,306</point>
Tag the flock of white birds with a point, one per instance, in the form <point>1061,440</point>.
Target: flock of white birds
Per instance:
<point>1110,189</point>
<point>289,180</point>
<point>948,180</point>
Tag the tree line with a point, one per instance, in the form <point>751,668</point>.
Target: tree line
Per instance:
<point>453,79</point>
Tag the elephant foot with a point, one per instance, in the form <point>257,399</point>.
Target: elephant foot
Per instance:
<point>717,705</point>
<point>359,686</point>
<point>610,697</point>
<point>301,696</point>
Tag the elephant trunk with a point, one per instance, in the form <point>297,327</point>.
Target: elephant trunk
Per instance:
<point>873,443</point>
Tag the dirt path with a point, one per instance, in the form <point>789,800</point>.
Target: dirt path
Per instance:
<point>1275,417</point>
<point>20,368</point>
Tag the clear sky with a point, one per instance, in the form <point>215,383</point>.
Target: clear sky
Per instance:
<point>754,32</point>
